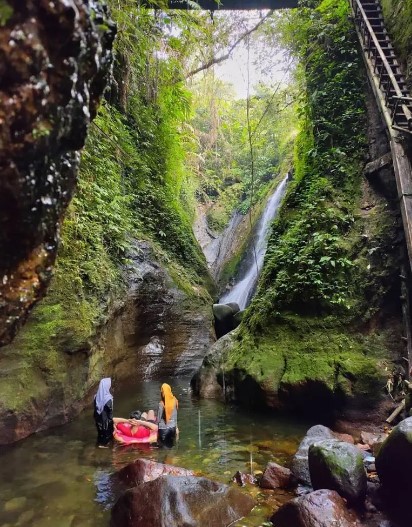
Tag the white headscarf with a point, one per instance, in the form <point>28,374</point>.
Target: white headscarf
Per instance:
<point>103,394</point>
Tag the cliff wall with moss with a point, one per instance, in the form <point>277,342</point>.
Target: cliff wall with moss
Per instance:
<point>130,292</point>
<point>324,329</point>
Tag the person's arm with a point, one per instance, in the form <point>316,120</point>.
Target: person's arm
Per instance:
<point>137,422</point>
<point>118,420</point>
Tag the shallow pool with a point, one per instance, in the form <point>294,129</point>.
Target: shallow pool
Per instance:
<point>59,478</point>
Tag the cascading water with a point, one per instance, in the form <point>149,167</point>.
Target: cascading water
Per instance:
<point>242,291</point>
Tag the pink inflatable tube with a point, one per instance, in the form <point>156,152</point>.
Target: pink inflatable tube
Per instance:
<point>124,439</point>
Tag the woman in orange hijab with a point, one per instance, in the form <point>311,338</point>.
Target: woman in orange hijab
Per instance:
<point>167,416</point>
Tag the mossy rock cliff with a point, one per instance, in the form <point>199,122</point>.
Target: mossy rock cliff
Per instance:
<point>324,328</point>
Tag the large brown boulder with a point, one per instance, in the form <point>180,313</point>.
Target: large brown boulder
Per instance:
<point>276,477</point>
<point>180,501</point>
<point>143,470</point>
<point>322,508</point>
<point>54,60</point>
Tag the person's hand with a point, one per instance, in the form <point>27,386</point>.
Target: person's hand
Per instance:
<point>134,422</point>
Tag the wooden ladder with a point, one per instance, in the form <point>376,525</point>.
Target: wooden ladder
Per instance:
<point>395,103</point>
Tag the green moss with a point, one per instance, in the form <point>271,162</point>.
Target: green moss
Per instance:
<point>298,350</point>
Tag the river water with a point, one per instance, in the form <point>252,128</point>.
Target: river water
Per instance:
<point>58,478</point>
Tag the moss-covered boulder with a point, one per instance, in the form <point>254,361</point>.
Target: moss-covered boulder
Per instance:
<point>336,465</point>
<point>300,462</point>
<point>314,367</point>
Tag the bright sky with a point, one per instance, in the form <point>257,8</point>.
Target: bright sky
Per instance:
<point>234,70</point>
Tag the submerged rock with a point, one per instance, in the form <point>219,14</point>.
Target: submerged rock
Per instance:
<point>322,508</point>
<point>242,479</point>
<point>143,470</point>
<point>300,462</point>
<point>48,95</point>
<point>180,502</point>
<point>336,465</point>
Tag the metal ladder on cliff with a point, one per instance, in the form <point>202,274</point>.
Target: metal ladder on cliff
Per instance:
<point>395,103</point>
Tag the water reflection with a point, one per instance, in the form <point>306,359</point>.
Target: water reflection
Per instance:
<point>58,478</point>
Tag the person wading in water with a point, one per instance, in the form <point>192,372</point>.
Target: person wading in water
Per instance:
<point>167,417</point>
<point>103,413</point>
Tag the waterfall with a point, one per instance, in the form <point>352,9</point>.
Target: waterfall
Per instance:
<point>243,290</point>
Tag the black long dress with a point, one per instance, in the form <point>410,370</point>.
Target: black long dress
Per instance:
<point>104,423</point>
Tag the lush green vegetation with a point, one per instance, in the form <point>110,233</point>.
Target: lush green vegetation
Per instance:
<point>317,254</point>
<point>331,267</point>
<point>156,146</point>
<point>222,125</point>
<point>133,184</point>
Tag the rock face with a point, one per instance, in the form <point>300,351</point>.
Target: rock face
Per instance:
<point>336,465</point>
<point>157,328</point>
<point>208,380</point>
<point>276,477</point>
<point>48,95</point>
<point>300,462</point>
<point>225,318</point>
<point>180,502</point>
<point>144,470</point>
<point>322,508</point>
<point>394,460</point>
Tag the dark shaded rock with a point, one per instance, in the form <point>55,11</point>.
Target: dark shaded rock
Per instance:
<point>336,465</point>
<point>143,470</point>
<point>394,460</point>
<point>48,95</point>
<point>208,380</point>
<point>237,319</point>
<point>180,502</point>
<point>276,477</point>
<point>235,307</point>
<point>300,463</point>
<point>224,318</point>
<point>322,508</point>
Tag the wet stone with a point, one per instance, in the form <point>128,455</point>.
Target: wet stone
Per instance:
<point>43,89</point>
<point>181,501</point>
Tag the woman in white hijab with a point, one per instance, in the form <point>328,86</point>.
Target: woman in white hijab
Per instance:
<point>103,413</point>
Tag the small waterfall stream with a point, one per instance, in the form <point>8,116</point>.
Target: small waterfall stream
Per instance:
<point>243,290</point>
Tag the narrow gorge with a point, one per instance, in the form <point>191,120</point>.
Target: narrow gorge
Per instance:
<point>218,199</point>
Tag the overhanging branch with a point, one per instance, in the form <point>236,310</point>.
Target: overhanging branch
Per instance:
<point>222,58</point>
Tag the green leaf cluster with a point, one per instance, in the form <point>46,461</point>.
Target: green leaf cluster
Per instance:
<point>309,266</point>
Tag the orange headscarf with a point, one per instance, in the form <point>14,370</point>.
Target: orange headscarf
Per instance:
<point>169,400</point>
